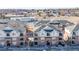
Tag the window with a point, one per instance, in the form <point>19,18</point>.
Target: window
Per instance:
<point>73,42</point>
<point>8,43</point>
<point>31,34</point>
<point>35,43</point>
<point>62,44</point>
<point>48,43</point>
<point>36,34</point>
<point>73,37</point>
<point>48,34</point>
<point>8,34</point>
<point>35,38</point>
<point>60,34</point>
<point>73,33</point>
<point>60,38</point>
<point>21,34</point>
<point>21,39</point>
<point>21,43</point>
<point>31,43</point>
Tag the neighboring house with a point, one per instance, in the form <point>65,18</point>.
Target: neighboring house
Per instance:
<point>61,24</point>
<point>73,34</point>
<point>11,37</point>
<point>55,13</point>
<point>47,35</point>
<point>24,20</point>
<point>27,19</point>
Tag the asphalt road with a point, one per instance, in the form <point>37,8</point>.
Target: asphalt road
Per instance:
<point>52,48</point>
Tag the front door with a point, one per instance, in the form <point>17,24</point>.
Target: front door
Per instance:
<point>48,41</point>
<point>8,43</point>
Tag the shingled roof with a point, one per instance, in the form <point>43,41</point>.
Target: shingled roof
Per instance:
<point>62,22</point>
<point>41,22</point>
<point>43,26</point>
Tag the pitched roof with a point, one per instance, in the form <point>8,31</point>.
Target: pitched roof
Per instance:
<point>9,27</point>
<point>62,22</point>
<point>41,22</point>
<point>76,27</point>
<point>43,26</point>
<point>71,28</point>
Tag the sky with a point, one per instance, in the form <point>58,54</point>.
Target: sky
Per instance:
<point>38,4</point>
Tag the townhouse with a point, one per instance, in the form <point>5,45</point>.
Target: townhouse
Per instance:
<point>44,33</point>
<point>12,33</point>
<point>47,35</point>
<point>12,37</point>
<point>27,31</point>
<point>61,24</point>
<point>73,34</point>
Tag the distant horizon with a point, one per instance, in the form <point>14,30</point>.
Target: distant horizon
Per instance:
<point>36,8</point>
